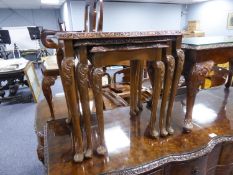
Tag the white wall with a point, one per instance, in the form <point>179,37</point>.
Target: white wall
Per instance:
<point>212,15</point>
<point>77,15</point>
<point>66,15</point>
<point>35,17</point>
<point>120,16</point>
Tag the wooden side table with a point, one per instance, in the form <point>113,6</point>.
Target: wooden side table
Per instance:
<point>201,55</point>
<point>50,72</point>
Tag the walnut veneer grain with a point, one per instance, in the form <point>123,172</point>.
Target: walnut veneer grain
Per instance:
<point>206,150</point>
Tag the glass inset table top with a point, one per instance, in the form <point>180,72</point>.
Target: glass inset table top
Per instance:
<point>207,42</point>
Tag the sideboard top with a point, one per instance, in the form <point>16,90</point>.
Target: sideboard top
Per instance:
<point>131,152</point>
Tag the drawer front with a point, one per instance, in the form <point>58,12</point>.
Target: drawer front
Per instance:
<point>224,170</point>
<point>213,157</point>
<point>193,167</point>
<point>211,172</point>
<point>226,156</point>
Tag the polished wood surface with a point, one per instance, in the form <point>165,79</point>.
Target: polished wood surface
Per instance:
<point>206,150</point>
<point>201,55</point>
<point>43,114</point>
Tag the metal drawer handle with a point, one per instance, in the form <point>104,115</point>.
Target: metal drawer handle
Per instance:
<point>195,171</point>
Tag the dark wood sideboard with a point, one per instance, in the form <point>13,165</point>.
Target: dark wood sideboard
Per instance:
<point>207,150</point>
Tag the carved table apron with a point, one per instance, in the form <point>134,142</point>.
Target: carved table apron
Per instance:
<point>200,56</point>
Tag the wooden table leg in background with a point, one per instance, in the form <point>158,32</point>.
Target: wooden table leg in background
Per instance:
<point>68,69</point>
<point>82,72</point>
<point>157,81</point>
<point>179,62</point>
<point>97,75</point>
<point>47,82</point>
<point>139,84</point>
<point>194,79</point>
<point>133,88</point>
<point>169,71</point>
<point>229,79</point>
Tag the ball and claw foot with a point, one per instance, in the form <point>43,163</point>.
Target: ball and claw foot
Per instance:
<point>154,133</point>
<point>170,130</point>
<point>68,121</point>
<point>163,132</point>
<point>89,153</point>
<point>78,157</point>
<point>188,125</point>
<point>101,150</point>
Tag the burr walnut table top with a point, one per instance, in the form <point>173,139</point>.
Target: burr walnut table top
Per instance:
<point>100,35</point>
<point>131,152</point>
<point>109,38</point>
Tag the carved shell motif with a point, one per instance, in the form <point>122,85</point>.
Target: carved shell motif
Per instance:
<point>160,65</point>
<point>171,63</point>
<point>97,78</point>
<point>83,73</point>
<point>181,56</point>
<point>48,81</point>
<point>67,71</point>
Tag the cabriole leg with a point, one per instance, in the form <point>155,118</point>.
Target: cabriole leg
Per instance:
<point>169,71</point>
<point>157,85</point>
<point>71,94</point>
<point>98,95</point>
<point>47,82</point>
<point>179,62</point>
<point>82,72</point>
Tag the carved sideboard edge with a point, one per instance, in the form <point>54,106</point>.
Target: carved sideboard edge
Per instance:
<point>46,151</point>
<point>173,158</point>
<point>90,35</point>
